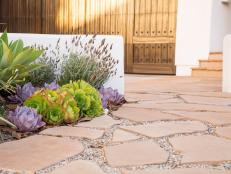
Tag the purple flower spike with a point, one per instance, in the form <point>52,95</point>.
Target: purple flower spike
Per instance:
<point>110,96</point>
<point>26,119</point>
<point>52,86</point>
<point>22,93</point>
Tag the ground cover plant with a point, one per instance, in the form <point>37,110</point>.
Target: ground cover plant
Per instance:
<point>41,87</point>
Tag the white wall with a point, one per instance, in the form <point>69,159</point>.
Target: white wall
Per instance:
<point>227,64</point>
<point>193,34</point>
<point>48,40</point>
<point>220,26</point>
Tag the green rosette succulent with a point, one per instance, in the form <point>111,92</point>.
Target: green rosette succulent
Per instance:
<point>87,98</point>
<point>56,107</point>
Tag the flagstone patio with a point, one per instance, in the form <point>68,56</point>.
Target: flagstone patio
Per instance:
<point>170,125</point>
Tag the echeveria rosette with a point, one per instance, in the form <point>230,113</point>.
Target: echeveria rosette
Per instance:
<point>111,96</point>
<point>87,98</point>
<point>26,119</point>
<point>52,86</point>
<point>56,106</point>
<point>22,93</point>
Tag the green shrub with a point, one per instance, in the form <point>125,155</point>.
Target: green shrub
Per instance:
<point>87,98</point>
<point>44,74</point>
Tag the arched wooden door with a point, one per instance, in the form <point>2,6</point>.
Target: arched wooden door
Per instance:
<point>151,36</point>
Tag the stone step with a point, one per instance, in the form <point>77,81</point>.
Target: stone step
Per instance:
<point>207,72</point>
<point>215,56</point>
<point>211,63</point>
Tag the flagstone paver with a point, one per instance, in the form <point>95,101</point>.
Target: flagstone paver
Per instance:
<point>69,131</point>
<point>224,131</point>
<point>177,125</point>
<point>135,153</point>
<point>81,167</point>
<point>103,122</point>
<point>167,128</point>
<point>206,100</point>
<point>179,106</point>
<point>121,136</point>
<point>142,115</point>
<point>205,148</point>
<point>216,118</point>
<point>178,171</point>
<point>36,152</point>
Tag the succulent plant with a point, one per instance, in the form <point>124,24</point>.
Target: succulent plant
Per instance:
<point>87,98</point>
<point>26,119</point>
<point>52,86</point>
<point>111,96</point>
<point>22,93</point>
<point>15,62</point>
<point>56,107</point>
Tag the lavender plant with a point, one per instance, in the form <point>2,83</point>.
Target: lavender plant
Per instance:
<point>26,119</point>
<point>93,64</point>
<point>110,96</point>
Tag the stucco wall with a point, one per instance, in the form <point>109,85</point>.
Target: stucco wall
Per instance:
<point>220,25</point>
<point>193,34</point>
<point>50,41</point>
<point>227,64</point>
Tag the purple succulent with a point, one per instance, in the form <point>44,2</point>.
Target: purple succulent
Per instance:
<point>111,96</point>
<point>52,86</point>
<point>26,119</point>
<point>22,93</point>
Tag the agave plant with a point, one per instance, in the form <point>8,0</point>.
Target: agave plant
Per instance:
<point>56,107</point>
<point>15,62</point>
<point>22,93</point>
<point>110,96</point>
<point>26,119</point>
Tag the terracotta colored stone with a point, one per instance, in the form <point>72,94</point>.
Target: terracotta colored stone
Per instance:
<point>103,122</point>
<point>68,131</point>
<point>179,107</point>
<point>177,171</point>
<point>121,136</point>
<point>147,96</point>
<point>37,152</point>
<point>217,118</point>
<point>206,100</point>
<point>202,148</point>
<point>135,153</point>
<point>142,115</point>
<point>161,129</point>
<point>81,167</point>
<point>224,131</point>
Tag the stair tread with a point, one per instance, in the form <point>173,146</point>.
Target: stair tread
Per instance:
<point>207,69</point>
<point>212,60</point>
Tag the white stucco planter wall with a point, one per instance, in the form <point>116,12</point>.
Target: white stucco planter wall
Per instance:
<point>193,34</point>
<point>117,52</point>
<point>227,64</point>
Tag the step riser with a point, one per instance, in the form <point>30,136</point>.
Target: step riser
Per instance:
<point>215,56</point>
<point>206,73</point>
<point>211,65</point>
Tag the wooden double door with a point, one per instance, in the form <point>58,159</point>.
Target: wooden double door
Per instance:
<point>148,26</point>
<point>151,39</point>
